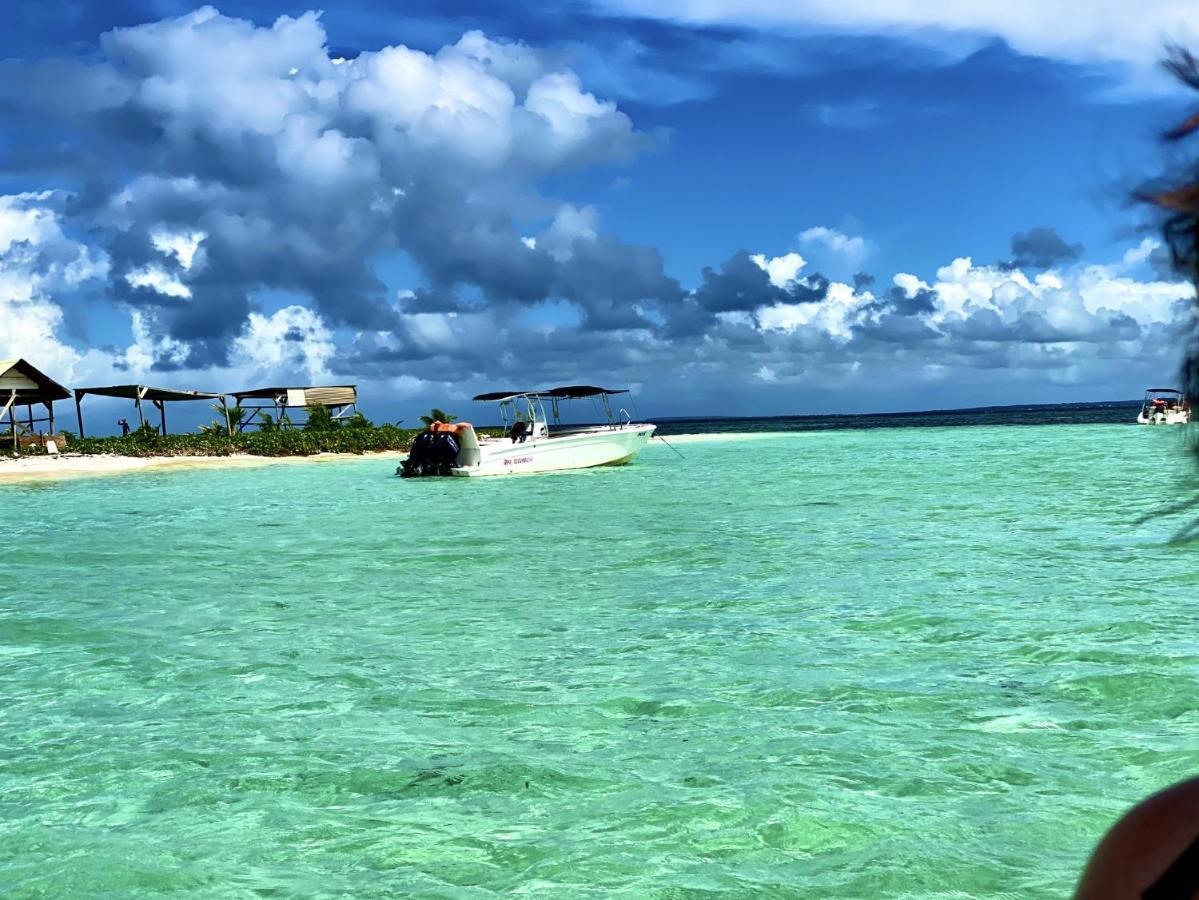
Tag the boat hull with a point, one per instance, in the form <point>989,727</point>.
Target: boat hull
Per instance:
<point>1169,417</point>
<point>585,450</point>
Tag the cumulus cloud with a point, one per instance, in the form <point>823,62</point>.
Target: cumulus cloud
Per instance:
<point>750,325</point>
<point>294,339</point>
<point>262,163</point>
<point>851,248</point>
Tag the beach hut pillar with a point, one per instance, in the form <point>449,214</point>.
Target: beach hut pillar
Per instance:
<point>162,410</point>
<point>138,400</point>
<point>10,408</point>
<point>50,413</point>
<point>225,408</point>
<point>79,411</point>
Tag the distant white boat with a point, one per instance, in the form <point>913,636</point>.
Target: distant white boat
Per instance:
<point>1164,406</point>
<point>530,443</point>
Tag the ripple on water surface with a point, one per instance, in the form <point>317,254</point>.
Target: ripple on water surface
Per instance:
<point>900,662</point>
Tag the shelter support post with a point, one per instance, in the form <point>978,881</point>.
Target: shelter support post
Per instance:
<point>12,419</point>
<point>225,408</point>
<point>79,412</point>
<point>50,413</point>
<point>162,412</point>
<point>138,400</point>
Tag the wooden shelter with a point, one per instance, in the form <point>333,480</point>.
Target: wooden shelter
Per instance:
<point>158,397</point>
<point>23,385</point>
<point>340,400</point>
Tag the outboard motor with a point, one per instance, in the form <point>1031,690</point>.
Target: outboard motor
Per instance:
<point>432,453</point>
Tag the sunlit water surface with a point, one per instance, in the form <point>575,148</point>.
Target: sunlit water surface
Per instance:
<point>903,662</point>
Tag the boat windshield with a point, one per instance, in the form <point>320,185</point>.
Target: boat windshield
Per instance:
<point>523,416</point>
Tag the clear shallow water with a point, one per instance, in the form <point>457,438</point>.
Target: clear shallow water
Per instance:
<point>909,662</point>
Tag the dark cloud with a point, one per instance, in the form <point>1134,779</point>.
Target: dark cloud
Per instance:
<point>896,328</point>
<point>610,281</point>
<point>741,285</point>
<point>433,301</point>
<point>810,289</point>
<point>920,302</point>
<point>1032,327</point>
<point>1041,248</point>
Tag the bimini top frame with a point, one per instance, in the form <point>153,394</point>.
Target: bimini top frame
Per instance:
<point>570,392</point>
<point>534,401</point>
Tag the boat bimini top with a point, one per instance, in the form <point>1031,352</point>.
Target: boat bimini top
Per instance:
<point>534,402</point>
<point>570,392</point>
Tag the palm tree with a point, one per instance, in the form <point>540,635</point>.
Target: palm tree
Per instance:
<point>217,426</point>
<point>1176,194</point>
<point>437,415</point>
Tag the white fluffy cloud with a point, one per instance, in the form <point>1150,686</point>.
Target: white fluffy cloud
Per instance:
<point>1096,30</point>
<point>782,269</point>
<point>851,248</point>
<point>479,101</point>
<point>292,339</point>
<point>158,280</point>
<point>36,260</point>
<point>1077,304</point>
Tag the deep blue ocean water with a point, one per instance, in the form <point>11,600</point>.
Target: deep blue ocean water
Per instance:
<point>1113,413</point>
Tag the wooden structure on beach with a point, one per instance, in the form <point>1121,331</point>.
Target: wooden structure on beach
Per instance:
<point>340,399</point>
<point>23,385</point>
<point>158,397</point>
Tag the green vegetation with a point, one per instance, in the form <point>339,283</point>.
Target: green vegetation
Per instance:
<point>320,419</point>
<point>275,442</point>
<point>321,433</point>
<point>356,435</point>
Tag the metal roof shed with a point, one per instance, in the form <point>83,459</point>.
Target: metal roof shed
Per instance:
<point>159,397</point>
<point>23,385</point>
<point>340,398</point>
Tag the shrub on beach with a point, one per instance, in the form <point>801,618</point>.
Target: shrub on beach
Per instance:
<point>355,437</point>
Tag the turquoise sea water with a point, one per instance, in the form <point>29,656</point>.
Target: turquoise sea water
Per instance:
<point>890,663</point>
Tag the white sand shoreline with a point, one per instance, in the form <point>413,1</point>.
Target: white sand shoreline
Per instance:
<point>65,466</point>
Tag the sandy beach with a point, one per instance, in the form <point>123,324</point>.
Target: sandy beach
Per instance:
<point>62,466</point>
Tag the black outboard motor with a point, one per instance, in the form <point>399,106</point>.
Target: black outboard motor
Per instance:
<point>432,453</point>
<point>445,453</point>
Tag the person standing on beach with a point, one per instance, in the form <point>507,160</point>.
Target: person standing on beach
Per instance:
<point>124,423</point>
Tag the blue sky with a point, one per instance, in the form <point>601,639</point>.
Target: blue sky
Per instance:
<point>736,208</point>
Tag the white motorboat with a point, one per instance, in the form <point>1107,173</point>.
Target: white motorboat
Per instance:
<point>1164,406</point>
<point>533,440</point>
